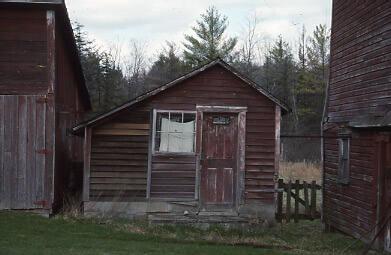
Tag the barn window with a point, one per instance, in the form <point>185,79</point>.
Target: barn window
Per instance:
<point>344,164</point>
<point>174,132</point>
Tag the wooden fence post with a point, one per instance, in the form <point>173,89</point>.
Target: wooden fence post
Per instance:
<point>313,199</point>
<point>280,197</point>
<point>297,193</point>
<point>306,199</point>
<point>288,202</point>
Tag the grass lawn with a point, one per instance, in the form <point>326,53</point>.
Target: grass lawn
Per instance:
<point>22,233</point>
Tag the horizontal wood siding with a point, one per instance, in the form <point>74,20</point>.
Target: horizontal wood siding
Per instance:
<point>360,78</point>
<point>23,51</point>
<point>173,176</point>
<point>119,161</point>
<point>351,208</point>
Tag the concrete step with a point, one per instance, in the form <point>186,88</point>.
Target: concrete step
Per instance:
<point>209,217</point>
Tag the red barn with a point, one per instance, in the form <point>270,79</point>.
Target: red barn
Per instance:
<point>202,148</point>
<point>42,95</point>
<point>357,123</point>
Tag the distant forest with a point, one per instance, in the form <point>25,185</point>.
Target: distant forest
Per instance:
<point>296,77</point>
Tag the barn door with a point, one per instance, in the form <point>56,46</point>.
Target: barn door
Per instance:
<point>218,160</point>
<point>22,151</point>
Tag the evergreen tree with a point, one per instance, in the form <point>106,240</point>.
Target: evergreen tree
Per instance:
<point>209,42</point>
<point>167,67</point>
<point>104,79</point>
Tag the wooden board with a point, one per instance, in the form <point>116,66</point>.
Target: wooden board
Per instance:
<point>22,152</point>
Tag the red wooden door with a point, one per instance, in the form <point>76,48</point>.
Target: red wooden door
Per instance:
<point>218,160</point>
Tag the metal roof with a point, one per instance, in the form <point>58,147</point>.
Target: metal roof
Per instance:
<point>177,81</point>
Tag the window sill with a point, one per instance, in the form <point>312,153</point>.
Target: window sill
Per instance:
<point>174,154</point>
<point>343,182</point>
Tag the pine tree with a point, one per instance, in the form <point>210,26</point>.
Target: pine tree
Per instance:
<point>167,67</point>
<point>209,42</point>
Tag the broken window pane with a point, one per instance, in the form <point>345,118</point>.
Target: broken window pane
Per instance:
<point>175,133</point>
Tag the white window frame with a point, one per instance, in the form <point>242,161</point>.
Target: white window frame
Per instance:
<point>343,174</point>
<point>155,112</point>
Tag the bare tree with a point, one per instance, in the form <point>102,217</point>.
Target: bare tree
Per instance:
<point>135,65</point>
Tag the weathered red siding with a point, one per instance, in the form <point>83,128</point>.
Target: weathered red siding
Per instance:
<point>352,207</point>
<point>39,88</point>
<point>360,77</point>
<point>174,176</point>
<point>23,51</point>
<point>360,86</point>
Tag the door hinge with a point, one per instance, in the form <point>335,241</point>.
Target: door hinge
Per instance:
<point>43,151</point>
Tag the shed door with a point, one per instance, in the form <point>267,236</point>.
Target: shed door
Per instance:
<point>22,151</point>
<point>218,160</point>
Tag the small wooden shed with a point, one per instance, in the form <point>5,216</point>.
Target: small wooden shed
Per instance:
<point>204,144</point>
<point>42,96</point>
<point>357,122</point>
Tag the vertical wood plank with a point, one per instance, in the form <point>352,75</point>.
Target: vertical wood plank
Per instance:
<point>297,193</point>
<point>306,199</point>
<point>151,142</point>
<point>31,151</point>
<point>40,144</point>
<point>288,201</point>
<point>313,199</point>
<point>21,184</point>
<point>2,173</point>
<point>280,197</point>
<point>241,158</point>
<point>13,150</point>
<point>50,152</point>
<point>50,111</point>
<point>87,161</point>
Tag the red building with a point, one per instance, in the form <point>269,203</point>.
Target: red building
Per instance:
<point>202,148</point>
<point>42,94</point>
<point>357,121</point>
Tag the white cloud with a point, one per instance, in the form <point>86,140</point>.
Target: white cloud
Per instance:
<point>157,21</point>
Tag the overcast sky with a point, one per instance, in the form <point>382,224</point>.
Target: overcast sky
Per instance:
<point>156,21</point>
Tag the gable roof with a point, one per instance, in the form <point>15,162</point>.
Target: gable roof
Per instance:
<point>66,28</point>
<point>177,81</point>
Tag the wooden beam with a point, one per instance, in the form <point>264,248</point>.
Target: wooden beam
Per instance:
<point>234,109</point>
<point>151,144</point>
<point>241,161</point>
<point>50,118</point>
<point>87,160</point>
<point>277,145</point>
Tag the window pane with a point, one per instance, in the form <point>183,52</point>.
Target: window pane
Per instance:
<point>189,118</point>
<point>160,118</point>
<point>175,119</point>
<point>176,133</point>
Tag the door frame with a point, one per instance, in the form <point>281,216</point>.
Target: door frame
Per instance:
<point>241,145</point>
<point>382,139</point>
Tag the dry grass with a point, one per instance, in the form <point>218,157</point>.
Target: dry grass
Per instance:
<point>303,171</point>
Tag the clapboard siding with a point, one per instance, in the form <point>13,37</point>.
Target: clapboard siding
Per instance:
<point>119,160</point>
<point>23,51</point>
<point>360,73</point>
<point>351,208</point>
<point>174,176</point>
